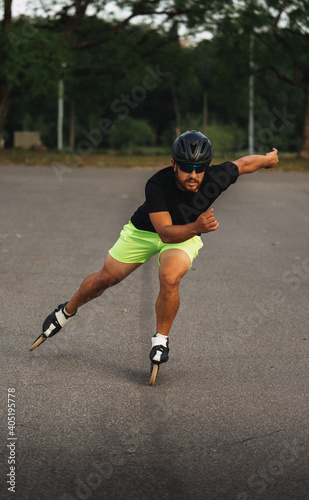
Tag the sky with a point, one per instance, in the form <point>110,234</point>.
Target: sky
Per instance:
<point>19,7</point>
<point>25,6</point>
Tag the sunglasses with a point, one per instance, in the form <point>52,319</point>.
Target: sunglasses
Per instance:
<point>188,169</point>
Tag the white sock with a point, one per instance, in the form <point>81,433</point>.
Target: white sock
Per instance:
<point>66,312</point>
<point>159,339</point>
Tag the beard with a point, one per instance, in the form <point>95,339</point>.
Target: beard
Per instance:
<point>189,184</point>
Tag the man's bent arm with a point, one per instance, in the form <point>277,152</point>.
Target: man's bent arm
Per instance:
<point>251,163</point>
<point>170,233</point>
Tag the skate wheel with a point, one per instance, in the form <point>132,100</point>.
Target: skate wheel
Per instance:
<point>154,373</point>
<point>37,342</point>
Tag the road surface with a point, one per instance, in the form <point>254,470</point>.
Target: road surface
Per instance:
<point>228,416</point>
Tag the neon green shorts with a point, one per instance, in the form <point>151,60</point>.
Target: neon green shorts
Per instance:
<point>137,246</point>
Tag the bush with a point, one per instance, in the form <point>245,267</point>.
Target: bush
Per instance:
<point>224,138</point>
<point>131,132</point>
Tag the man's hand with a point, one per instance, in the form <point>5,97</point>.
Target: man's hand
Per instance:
<point>272,158</point>
<point>206,222</point>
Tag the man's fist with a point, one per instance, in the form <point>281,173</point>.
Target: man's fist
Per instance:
<point>272,158</point>
<point>206,222</point>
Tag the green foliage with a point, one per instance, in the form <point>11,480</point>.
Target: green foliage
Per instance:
<point>32,57</point>
<point>35,54</point>
<point>37,123</point>
<point>131,132</point>
<point>225,137</point>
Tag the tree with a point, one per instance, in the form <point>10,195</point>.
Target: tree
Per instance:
<point>282,28</point>
<point>34,54</point>
<point>31,58</point>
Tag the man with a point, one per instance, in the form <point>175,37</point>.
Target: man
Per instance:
<point>169,223</point>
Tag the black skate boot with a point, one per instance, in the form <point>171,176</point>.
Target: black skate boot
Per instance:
<point>158,355</point>
<point>53,324</point>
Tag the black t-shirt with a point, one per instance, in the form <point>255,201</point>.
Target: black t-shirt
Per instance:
<point>163,195</point>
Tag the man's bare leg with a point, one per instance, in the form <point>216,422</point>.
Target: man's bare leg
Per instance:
<point>95,284</point>
<point>174,264</point>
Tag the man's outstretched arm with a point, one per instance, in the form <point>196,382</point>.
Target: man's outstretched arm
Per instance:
<point>251,163</point>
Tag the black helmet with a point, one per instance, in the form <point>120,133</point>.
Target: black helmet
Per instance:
<point>192,147</point>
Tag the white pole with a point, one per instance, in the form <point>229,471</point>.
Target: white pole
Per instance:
<point>60,115</point>
<point>251,98</point>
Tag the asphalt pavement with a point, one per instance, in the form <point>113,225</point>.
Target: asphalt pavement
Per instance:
<point>228,416</point>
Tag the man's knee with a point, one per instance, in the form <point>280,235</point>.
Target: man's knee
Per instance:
<point>105,279</point>
<point>169,282</point>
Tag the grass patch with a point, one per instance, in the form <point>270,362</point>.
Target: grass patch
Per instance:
<point>137,159</point>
